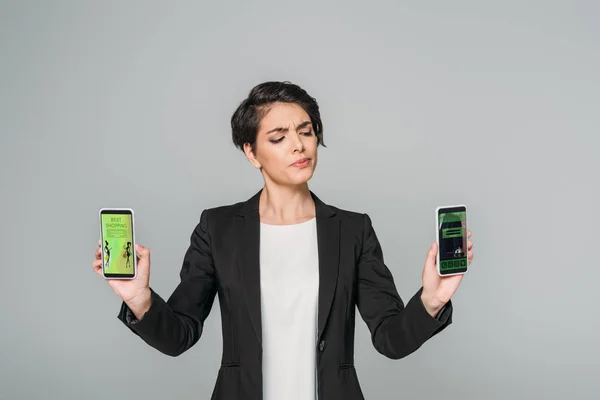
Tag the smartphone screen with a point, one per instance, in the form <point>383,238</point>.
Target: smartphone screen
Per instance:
<point>452,234</point>
<point>118,251</point>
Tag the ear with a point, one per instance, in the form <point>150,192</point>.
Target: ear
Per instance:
<point>250,155</point>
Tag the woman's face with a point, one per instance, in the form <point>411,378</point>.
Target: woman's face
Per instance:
<point>286,146</point>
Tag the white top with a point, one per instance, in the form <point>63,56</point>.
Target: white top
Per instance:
<point>289,279</point>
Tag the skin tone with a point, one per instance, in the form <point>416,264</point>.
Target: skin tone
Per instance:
<point>285,137</point>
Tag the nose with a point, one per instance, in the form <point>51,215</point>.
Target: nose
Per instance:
<point>298,143</point>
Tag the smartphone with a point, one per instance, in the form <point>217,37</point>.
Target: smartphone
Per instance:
<point>451,235</point>
<point>117,235</point>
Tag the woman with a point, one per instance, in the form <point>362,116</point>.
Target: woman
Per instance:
<point>289,271</point>
<point>107,252</point>
<point>128,255</point>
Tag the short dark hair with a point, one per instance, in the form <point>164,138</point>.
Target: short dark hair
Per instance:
<point>246,118</point>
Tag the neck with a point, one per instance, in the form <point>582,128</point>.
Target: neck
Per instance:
<point>281,205</point>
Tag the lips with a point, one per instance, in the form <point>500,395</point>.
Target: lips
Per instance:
<point>301,162</point>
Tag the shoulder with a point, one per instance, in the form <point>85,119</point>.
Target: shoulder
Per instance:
<point>218,220</point>
<point>221,213</point>
<point>346,214</point>
<point>355,220</point>
<point>225,210</point>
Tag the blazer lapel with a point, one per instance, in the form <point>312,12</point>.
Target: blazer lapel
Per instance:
<point>328,238</point>
<point>249,262</point>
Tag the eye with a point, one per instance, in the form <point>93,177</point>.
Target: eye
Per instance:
<point>309,133</point>
<point>275,141</point>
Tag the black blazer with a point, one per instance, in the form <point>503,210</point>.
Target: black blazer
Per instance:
<point>223,260</point>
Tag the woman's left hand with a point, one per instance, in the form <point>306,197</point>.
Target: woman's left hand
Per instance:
<point>437,290</point>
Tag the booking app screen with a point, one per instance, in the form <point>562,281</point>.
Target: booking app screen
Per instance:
<point>453,241</point>
<point>117,244</point>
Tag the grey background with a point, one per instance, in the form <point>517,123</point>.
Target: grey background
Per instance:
<point>492,104</point>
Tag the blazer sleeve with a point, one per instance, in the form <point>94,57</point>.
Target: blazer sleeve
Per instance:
<point>396,329</point>
<point>174,326</point>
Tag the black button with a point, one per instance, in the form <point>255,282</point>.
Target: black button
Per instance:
<point>321,345</point>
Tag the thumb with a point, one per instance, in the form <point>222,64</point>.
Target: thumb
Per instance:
<point>141,251</point>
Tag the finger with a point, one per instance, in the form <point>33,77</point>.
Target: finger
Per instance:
<point>470,233</point>
<point>470,245</point>
<point>97,265</point>
<point>98,254</point>
<point>432,254</point>
<point>470,256</point>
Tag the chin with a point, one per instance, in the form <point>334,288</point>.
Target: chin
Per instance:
<point>301,177</point>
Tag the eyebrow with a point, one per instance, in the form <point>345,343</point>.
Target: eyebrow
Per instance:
<point>280,129</point>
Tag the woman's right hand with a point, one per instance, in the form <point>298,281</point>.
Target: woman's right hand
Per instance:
<point>134,292</point>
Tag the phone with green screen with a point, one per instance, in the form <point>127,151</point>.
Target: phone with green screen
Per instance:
<point>117,235</point>
<point>451,235</point>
